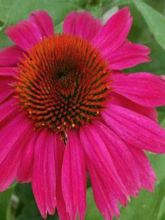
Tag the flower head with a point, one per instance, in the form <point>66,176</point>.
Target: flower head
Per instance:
<point>68,112</point>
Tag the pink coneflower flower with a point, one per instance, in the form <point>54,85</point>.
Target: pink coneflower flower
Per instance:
<point>68,113</point>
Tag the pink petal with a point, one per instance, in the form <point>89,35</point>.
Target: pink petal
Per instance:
<point>28,32</point>
<point>128,55</point>
<point>10,132</point>
<point>13,135</point>
<point>97,153</point>
<point>6,88</point>
<point>74,178</point>
<point>8,71</point>
<point>123,101</point>
<point>122,158</point>
<point>25,168</point>
<point>143,88</point>
<point>25,34</point>
<point>105,202</point>
<point>10,56</point>
<point>7,110</point>
<point>44,22</point>
<point>113,34</point>
<point>44,176</point>
<point>59,153</point>
<point>131,163</point>
<point>146,173</point>
<point>82,24</point>
<point>135,129</point>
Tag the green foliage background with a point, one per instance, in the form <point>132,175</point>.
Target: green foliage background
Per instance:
<point>17,203</point>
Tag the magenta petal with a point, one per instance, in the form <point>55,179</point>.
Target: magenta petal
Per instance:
<point>128,55</point>
<point>122,158</point>
<point>28,32</point>
<point>6,89</point>
<point>25,168</point>
<point>146,173</point>
<point>13,138</point>
<point>24,34</point>
<point>44,175</point>
<point>131,163</point>
<point>43,21</point>
<point>11,131</point>
<point>82,24</point>
<point>8,71</point>
<point>74,178</point>
<point>97,153</point>
<point>7,78</point>
<point>105,201</point>
<point>135,129</point>
<point>143,88</point>
<point>10,56</point>
<point>127,103</point>
<point>7,111</point>
<point>61,206</point>
<point>114,32</point>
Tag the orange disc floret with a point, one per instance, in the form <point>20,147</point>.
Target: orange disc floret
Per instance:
<point>62,82</point>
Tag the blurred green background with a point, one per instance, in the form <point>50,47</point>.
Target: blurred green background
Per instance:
<point>17,203</point>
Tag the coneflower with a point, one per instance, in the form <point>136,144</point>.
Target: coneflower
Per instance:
<point>68,112</point>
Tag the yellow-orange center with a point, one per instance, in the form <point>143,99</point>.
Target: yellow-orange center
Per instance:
<point>62,82</point>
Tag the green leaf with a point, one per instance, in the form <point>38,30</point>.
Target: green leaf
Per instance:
<point>92,211</point>
<point>13,11</point>
<point>161,114</point>
<point>163,123</point>
<point>4,203</point>
<point>30,211</point>
<point>154,20</point>
<point>162,211</point>
<point>141,34</point>
<point>147,205</point>
<point>162,216</point>
<point>24,192</point>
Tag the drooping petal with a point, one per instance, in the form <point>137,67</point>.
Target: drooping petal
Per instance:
<point>10,56</point>
<point>131,163</point>
<point>81,24</point>
<point>127,103</point>
<point>113,34</point>
<point>44,176</point>
<point>105,201</point>
<point>74,178</point>
<point>13,136</point>
<point>135,129</point>
<point>59,154</point>
<point>143,88</point>
<point>128,55</point>
<point>28,32</point>
<point>25,168</point>
<point>146,173</point>
<point>122,158</point>
<point>97,153</point>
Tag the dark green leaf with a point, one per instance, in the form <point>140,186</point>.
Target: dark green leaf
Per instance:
<point>5,198</point>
